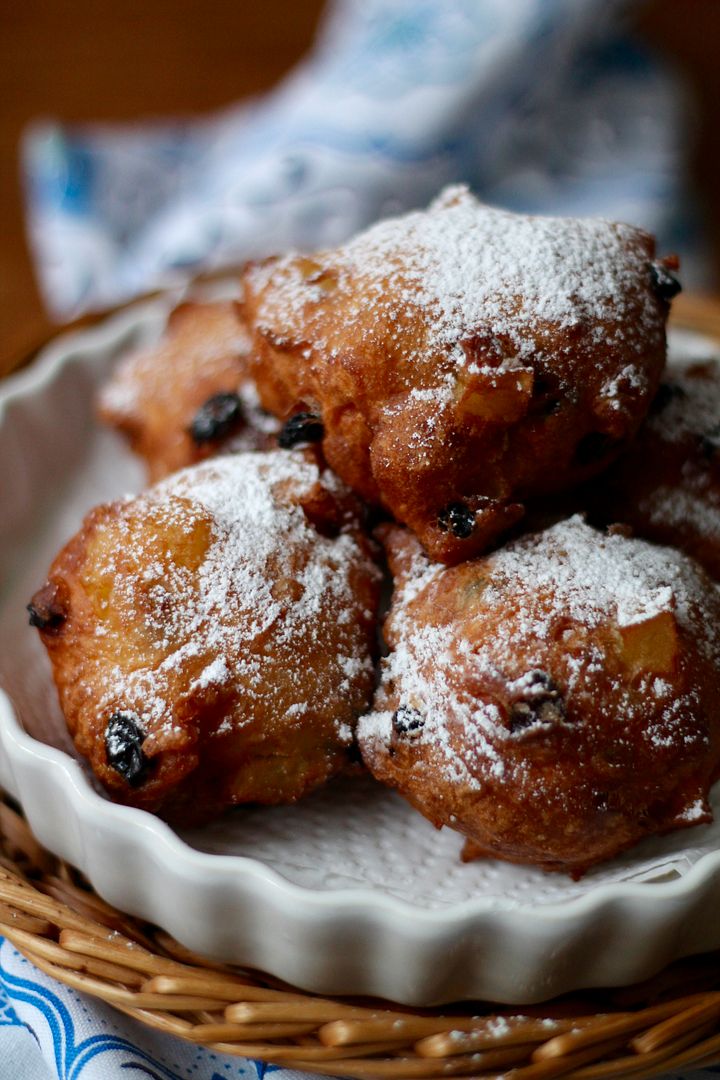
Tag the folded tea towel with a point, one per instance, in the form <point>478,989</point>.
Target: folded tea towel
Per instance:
<point>50,1032</point>
<point>540,105</point>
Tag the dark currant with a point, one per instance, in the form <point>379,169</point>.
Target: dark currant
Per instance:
<point>46,617</point>
<point>541,702</point>
<point>216,418</point>
<point>458,518</point>
<point>303,427</point>
<point>665,284</point>
<point>123,744</point>
<point>47,609</point>
<point>407,721</point>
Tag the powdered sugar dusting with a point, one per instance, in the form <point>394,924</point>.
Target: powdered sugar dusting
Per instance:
<point>597,577</point>
<point>685,509</point>
<point>687,422</point>
<point>265,578</point>
<point>569,576</point>
<point>474,265</point>
<point>473,268</point>
<point>693,408</point>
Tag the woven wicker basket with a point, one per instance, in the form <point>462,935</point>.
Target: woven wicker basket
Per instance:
<point>55,919</point>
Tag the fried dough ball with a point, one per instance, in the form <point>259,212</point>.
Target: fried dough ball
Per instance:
<point>555,701</point>
<point>667,485</point>
<point>460,360</point>
<point>189,397</point>
<point>211,640</point>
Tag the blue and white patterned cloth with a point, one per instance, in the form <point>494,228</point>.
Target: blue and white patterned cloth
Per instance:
<point>540,105</point>
<point>50,1032</point>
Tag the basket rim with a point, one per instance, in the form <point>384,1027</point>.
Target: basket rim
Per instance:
<point>47,915</point>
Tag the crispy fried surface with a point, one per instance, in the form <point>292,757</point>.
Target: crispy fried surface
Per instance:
<point>463,355</point>
<point>554,701</point>
<point>667,485</point>
<point>212,639</point>
<point>157,392</point>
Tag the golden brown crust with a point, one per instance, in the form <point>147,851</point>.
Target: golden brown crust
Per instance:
<point>555,701</point>
<point>439,381</point>
<point>220,630</point>
<point>156,393</point>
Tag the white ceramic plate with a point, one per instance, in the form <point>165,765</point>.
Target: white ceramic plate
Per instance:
<point>350,891</point>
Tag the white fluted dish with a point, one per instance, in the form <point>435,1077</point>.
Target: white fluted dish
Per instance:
<point>350,891</point>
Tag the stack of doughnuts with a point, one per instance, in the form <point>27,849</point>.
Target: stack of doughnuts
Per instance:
<point>410,401</point>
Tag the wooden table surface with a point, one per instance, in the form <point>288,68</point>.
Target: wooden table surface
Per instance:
<point>99,60</point>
